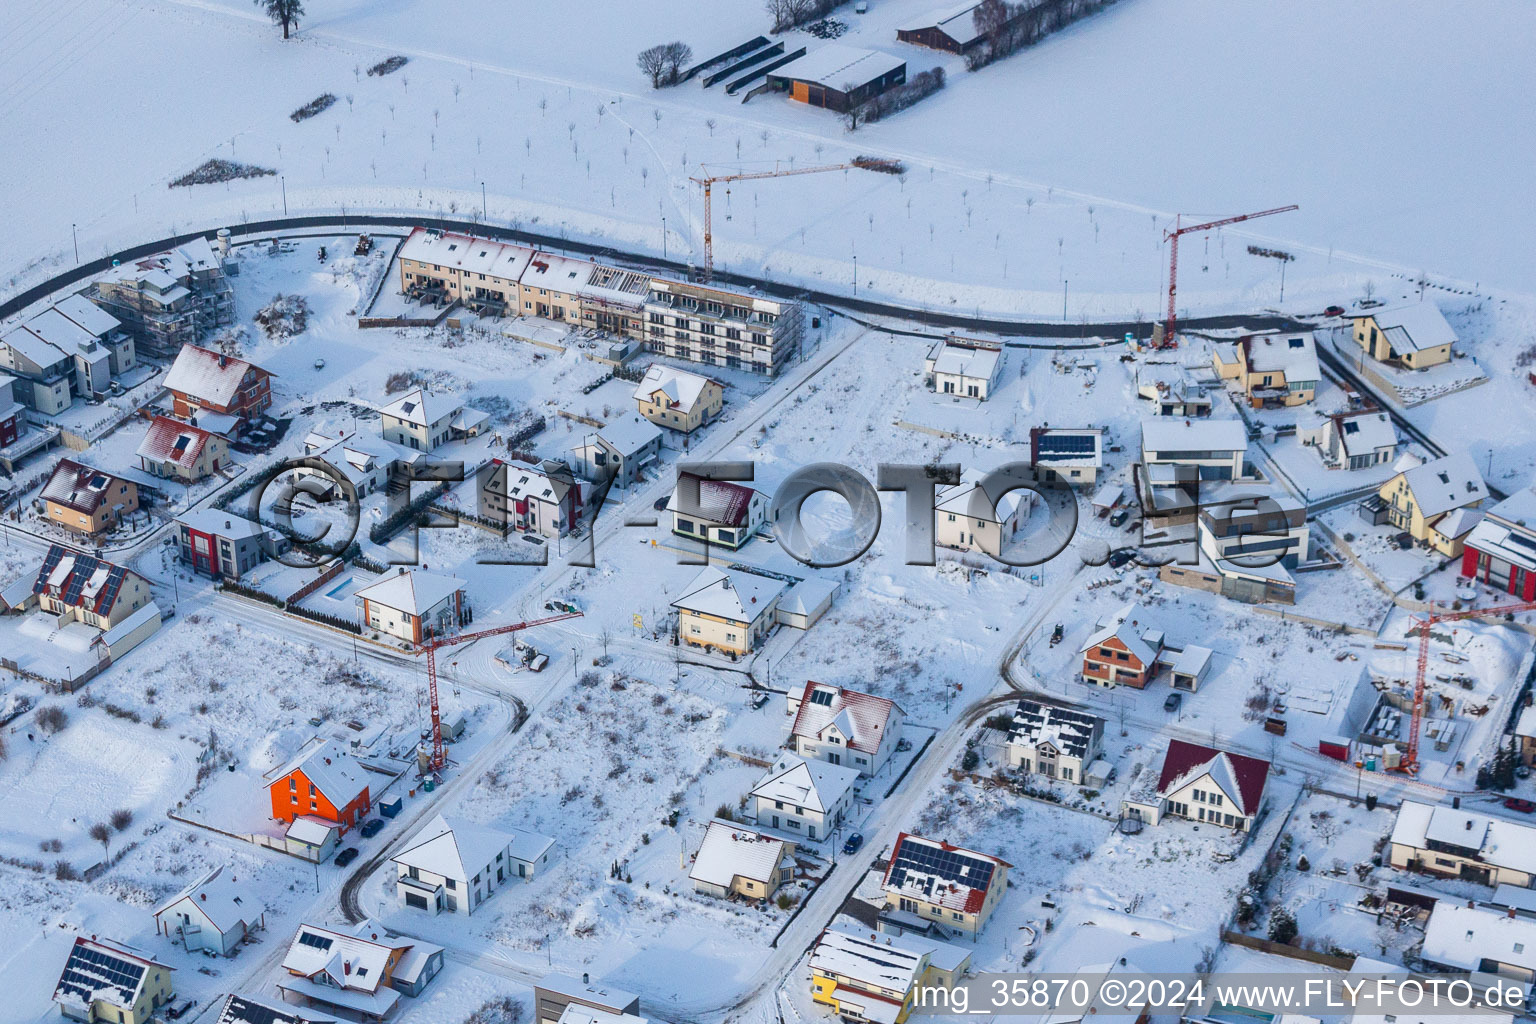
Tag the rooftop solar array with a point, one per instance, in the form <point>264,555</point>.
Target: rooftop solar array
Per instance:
<point>91,969</point>
<point>916,858</point>
<point>1057,445</point>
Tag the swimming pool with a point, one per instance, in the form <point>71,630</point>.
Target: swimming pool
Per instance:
<point>335,592</point>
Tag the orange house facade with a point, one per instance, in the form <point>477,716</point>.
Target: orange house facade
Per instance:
<point>1118,656</point>
<point>324,783</point>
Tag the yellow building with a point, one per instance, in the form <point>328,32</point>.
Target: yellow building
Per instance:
<point>87,501</point>
<point>728,610</point>
<point>677,399</point>
<point>1271,369</point>
<point>108,981</point>
<point>868,977</point>
<point>1421,498</point>
<point>1414,336</point>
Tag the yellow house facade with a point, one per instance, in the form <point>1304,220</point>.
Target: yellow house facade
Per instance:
<point>138,985</point>
<point>871,977</point>
<point>1419,497</point>
<point>1271,369</point>
<point>932,880</point>
<point>727,610</point>
<point>1414,336</point>
<point>677,399</point>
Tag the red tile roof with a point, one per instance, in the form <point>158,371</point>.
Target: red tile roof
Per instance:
<point>939,872</point>
<point>1186,761</point>
<point>869,716</point>
<point>171,440</point>
<point>719,501</point>
<point>211,377</point>
<point>79,487</point>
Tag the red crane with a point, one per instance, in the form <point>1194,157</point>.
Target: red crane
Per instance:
<point>1173,259</point>
<point>430,648</point>
<point>1410,764</point>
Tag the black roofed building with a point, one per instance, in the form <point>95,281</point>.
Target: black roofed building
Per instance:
<point>933,886</point>
<point>1056,742</point>
<point>108,981</point>
<point>839,77</point>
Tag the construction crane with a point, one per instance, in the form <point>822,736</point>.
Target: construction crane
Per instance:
<point>430,648</point>
<point>864,163</point>
<point>1173,258</point>
<point>1409,765</point>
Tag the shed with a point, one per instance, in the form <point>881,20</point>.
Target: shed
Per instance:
<point>1191,667</point>
<point>132,631</point>
<point>839,77</point>
<point>1108,496</point>
<point>312,838</point>
<point>953,29</point>
<point>806,602</point>
<point>392,807</point>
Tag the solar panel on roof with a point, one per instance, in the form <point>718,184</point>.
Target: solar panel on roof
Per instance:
<point>1074,443</point>
<point>88,970</point>
<point>946,865</point>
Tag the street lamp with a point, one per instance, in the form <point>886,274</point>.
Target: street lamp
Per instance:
<point>663,236</point>
<point>282,182</point>
<point>76,239</point>
<point>484,216</point>
<point>855,274</point>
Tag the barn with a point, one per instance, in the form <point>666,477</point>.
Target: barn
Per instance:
<point>839,77</point>
<point>951,29</point>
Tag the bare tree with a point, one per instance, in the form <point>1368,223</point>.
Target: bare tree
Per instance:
<point>102,835</point>
<point>283,12</point>
<point>653,61</point>
<point>679,56</point>
<point>122,818</point>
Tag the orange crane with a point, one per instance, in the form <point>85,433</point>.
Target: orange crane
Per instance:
<point>1410,764</point>
<point>866,163</point>
<point>1169,341</point>
<point>430,648</point>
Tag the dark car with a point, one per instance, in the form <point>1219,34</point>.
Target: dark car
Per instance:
<point>372,827</point>
<point>346,856</point>
<point>853,843</point>
<point>1334,311</point>
<point>1119,517</point>
<point>1120,556</point>
<point>531,539</point>
<point>1173,702</point>
<point>175,1012</point>
<point>660,504</point>
<point>1514,803</point>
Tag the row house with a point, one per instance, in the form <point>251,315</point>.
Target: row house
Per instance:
<point>222,545</point>
<point>169,299</point>
<point>423,422</point>
<point>1501,548</point>
<point>1453,843</point>
<point>736,861</point>
<point>1202,784</point>
<point>413,605</point>
<point>455,866</point>
<point>1057,742</point>
<point>678,400</point>
<point>1271,370</point>
<point>202,381</point>
<point>179,451</point>
<point>718,512</point>
<point>71,350</point>
<point>1414,336</point>
<point>722,327</point>
<point>931,882</point>
<point>87,501</point>
<point>844,727</point>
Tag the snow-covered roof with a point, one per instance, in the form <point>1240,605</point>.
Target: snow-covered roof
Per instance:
<point>960,360</point>
<point>307,828</point>
<point>213,377</point>
<point>1507,531</point>
<point>1414,327</point>
<point>1458,523</point>
<point>871,962</point>
<point>79,487</point>
<point>959,23</point>
<point>578,1013</point>
<point>838,66</point>
<point>1126,632</point>
<point>528,846</point>
<point>862,718</point>
<point>146,612</point>
<point>969,498</point>
<point>1525,725</point>
<point>629,434</point>
<point>941,873</point>
<point>1066,447</point>
<point>730,593</point>
<point>720,502</point>
<point>1362,433</point>
<point>680,388</point>
<point>421,407</point>
<point>173,441</point>
<point>454,850</point>
<point>102,969</point>
<point>807,595</point>
<point>221,524</point>
<point>239,1009</point>
<point>218,898</point>
<point>587,279</point>
<point>88,315</point>
<point>222,423</point>
<point>550,481</point>
<point>1499,841</point>
<point>1461,936</point>
<point>1066,729</point>
<point>32,346</point>
<point>816,785</point>
<point>346,961</point>
<point>1448,482</point>
<point>592,992</point>
<point>467,253</point>
<point>1241,777</point>
<point>81,580</point>
<point>1172,435</point>
<point>1193,660</point>
<point>1294,355</point>
<point>331,769</point>
<point>414,591</point>
<point>60,331</point>
<point>730,851</point>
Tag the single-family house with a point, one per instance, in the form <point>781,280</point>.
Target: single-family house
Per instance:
<point>966,520</point>
<point>77,586</point>
<point>455,866</point>
<point>423,422</point>
<point>1500,548</point>
<point>869,979</point>
<point>1352,440</point>
<point>1057,742</point>
<point>1271,370</point>
<point>1453,843</point>
<point>1172,391</point>
<point>1415,336</point>
<point>107,981</point>
<point>180,451</point>
<point>964,367</point>
<point>1420,495</point>
<point>321,781</point>
<point>368,464</point>
<point>1066,455</point>
<point>718,512</point>
<point>213,913</point>
<point>728,610</point>
<point>1181,452</point>
<point>1255,529</point>
<point>360,973</point>
<point>414,604</point>
<point>1464,937</point>
<point>809,798</point>
<point>555,993</point>
<point>619,450</point>
<point>844,727</point>
<point>224,546</point>
<point>242,1009</point>
<point>678,400</point>
<point>86,500</point>
<point>734,860</point>
<point>204,380</point>
<point>930,881</point>
<point>541,498</point>
<point>1121,652</point>
<point>1203,784</point>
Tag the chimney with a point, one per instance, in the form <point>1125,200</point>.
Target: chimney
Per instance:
<point>402,570</point>
<point>1456,804</point>
<point>1511,913</point>
<point>346,967</point>
<point>585,980</point>
<point>203,896</point>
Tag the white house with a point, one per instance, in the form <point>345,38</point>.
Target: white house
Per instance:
<point>361,972</point>
<point>846,727</point>
<point>455,866</point>
<point>1203,784</point>
<point>1463,937</point>
<point>1176,452</point>
<point>423,421</point>
<point>414,604</point>
<point>1066,455</point>
<point>717,511</point>
<point>369,464</point>
<point>734,860</point>
<point>809,798</point>
<point>241,1009</point>
<point>213,913</point>
<point>620,449</point>
<point>967,521</point>
<point>1053,741</point>
<point>1352,440</point>
<point>964,367</point>
<point>542,498</point>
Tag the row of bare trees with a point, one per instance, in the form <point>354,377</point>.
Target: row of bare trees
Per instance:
<point>924,83</point>
<point>1010,27</point>
<point>787,14</point>
<point>664,64</point>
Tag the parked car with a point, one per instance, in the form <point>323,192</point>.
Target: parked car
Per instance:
<point>1522,771</point>
<point>346,856</point>
<point>372,827</point>
<point>1514,803</point>
<point>1120,516</point>
<point>175,1012</point>
<point>660,504</point>
<point>531,539</point>
<point>1173,702</point>
<point>853,843</point>
<point>1334,311</point>
<point>1120,556</point>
